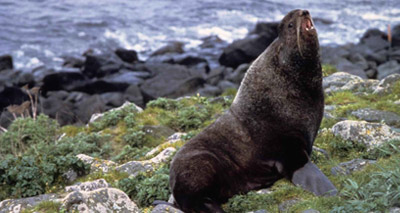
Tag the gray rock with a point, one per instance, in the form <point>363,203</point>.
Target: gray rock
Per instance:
<point>88,186</point>
<point>70,176</point>
<point>134,95</point>
<point>172,47</point>
<point>345,65</point>
<point>133,168</point>
<point>259,211</point>
<point>17,205</point>
<point>97,164</point>
<point>371,115</point>
<point>209,90</point>
<point>394,209</point>
<point>162,208</point>
<point>171,140</point>
<point>370,134</point>
<point>285,206</point>
<point>385,85</point>
<point>100,200</point>
<point>126,77</point>
<point>224,85</point>
<point>264,191</point>
<point>341,81</point>
<point>217,74</point>
<point>238,74</point>
<point>349,167</point>
<point>89,106</point>
<point>158,131</point>
<point>129,56</point>
<point>388,68</point>
<point>97,116</point>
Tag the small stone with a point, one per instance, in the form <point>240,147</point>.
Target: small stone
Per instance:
<point>349,167</point>
<point>97,116</point>
<point>264,191</point>
<point>285,206</point>
<point>171,140</point>
<point>385,85</point>
<point>310,211</point>
<point>17,205</point>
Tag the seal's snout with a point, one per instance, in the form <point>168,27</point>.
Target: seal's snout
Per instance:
<point>305,12</point>
<point>306,22</point>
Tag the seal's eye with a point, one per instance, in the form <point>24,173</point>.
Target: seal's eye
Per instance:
<point>290,25</point>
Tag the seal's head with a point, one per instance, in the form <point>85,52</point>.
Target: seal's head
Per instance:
<point>297,31</point>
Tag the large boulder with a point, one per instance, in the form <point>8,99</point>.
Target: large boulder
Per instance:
<point>170,81</point>
<point>375,39</point>
<point>386,85</point>
<point>58,108</point>
<point>63,81</point>
<point>99,200</point>
<point>396,36</point>
<point>245,50</point>
<point>369,134</point>
<point>101,86</point>
<point>11,96</point>
<point>388,68</point>
<point>341,81</point>
<point>129,56</point>
<point>133,168</point>
<point>372,115</point>
<point>17,205</point>
<point>6,62</point>
<point>101,65</point>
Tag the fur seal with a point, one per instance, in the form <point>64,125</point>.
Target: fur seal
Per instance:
<point>267,133</point>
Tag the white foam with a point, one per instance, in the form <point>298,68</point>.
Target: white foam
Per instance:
<point>33,62</point>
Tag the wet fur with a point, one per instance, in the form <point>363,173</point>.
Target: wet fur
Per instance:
<point>267,134</point>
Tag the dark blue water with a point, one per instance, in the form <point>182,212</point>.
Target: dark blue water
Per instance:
<point>40,32</point>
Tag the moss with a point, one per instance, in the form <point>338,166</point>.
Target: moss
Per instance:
<point>111,177</point>
<point>328,69</point>
<point>45,207</point>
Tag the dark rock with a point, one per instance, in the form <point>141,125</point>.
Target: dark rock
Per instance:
<point>349,167</point>
<point>113,99</point>
<point>245,50</point>
<point>109,69</point>
<point>6,119</point>
<point>372,115</point>
<point>224,85</point>
<point>93,63</point>
<point>10,96</point>
<point>170,81</point>
<point>212,42</point>
<point>209,90</point>
<point>6,62</point>
<point>129,56</point>
<point>396,36</point>
<point>62,111</point>
<point>375,39</point>
<point>395,55</point>
<point>329,55</point>
<point>346,66</point>
<point>238,74</point>
<point>267,28</point>
<point>371,73</point>
<point>388,68</point>
<point>188,60</point>
<point>217,74</point>
<point>88,107</point>
<point>75,97</point>
<point>359,61</point>
<point>62,81</point>
<point>173,47</point>
<point>125,77</point>
<point>133,94</point>
<point>73,62</point>
<point>101,86</point>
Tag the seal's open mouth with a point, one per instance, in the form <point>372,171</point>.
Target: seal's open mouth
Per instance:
<point>307,24</point>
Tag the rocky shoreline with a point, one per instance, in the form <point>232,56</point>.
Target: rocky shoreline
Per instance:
<point>97,82</point>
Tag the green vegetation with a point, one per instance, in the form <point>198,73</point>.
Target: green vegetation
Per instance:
<point>39,147</point>
<point>328,69</point>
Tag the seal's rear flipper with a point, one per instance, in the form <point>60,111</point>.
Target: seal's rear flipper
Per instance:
<point>310,178</point>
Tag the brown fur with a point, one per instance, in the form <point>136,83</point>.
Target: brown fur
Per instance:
<point>268,132</point>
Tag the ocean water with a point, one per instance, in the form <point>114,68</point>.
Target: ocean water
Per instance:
<point>41,32</point>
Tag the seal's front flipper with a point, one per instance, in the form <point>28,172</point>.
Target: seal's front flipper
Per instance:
<point>310,178</point>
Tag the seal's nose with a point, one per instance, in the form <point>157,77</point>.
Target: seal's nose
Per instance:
<point>305,12</point>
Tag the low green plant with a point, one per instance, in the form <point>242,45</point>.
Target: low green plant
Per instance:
<point>45,207</point>
<point>145,188</point>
